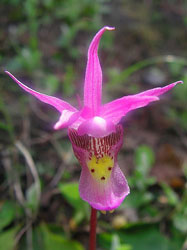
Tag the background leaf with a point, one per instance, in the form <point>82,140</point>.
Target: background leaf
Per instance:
<point>58,242</point>
<point>7,214</point>
<point>7,239</point>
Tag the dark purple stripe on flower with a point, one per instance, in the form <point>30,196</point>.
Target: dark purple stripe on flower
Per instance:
<point>96,146</point>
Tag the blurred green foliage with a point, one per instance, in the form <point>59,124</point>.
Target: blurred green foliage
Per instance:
<point>58,242</point>
<point>7,239</point>
<point>71,193</point>
<point>142,237</point>
<point>7,214</point>
<point>45,41</point>
<point>140,179</point>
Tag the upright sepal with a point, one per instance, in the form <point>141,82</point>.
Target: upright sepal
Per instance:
<point>93,76</point>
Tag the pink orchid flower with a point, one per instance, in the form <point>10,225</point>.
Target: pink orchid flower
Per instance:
<point>96,134</point>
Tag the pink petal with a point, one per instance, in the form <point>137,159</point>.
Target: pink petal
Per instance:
<point>66,119</point>
<point>118,108</point>
<point>159,91</point>
<point>93,77</point>
<point>53,101</point>
<point>104,197</point>
<point>102,184</point>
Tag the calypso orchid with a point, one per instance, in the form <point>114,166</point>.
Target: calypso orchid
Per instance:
<point>95,132</point>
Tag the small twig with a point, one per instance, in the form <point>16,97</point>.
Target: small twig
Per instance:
<point>34,173</point>
<point>29,235</point>
<point>18,192</point>
<point>30,163</point>
<point>21,232</point>
<point>45,137</point>
<point>32,168</point>
<point>64,162</point>
<point>14,181</point>
<point>13,178</point>
<point>57,177</point>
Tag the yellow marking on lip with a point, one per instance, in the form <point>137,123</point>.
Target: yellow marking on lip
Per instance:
<point>101,168</point>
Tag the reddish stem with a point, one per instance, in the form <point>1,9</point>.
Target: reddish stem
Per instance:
<point>93,224</point>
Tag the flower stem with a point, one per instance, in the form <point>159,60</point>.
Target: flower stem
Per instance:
<point>93,224</point>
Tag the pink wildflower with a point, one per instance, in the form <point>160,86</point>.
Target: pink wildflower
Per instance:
<point>96,134</point>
